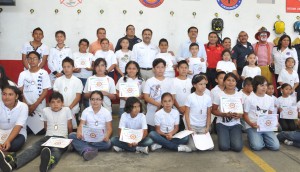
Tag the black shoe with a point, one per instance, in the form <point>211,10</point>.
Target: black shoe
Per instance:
<point>45,159</point>
<point>4,165</point>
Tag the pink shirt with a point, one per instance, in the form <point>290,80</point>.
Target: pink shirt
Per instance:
<point>262,53</point>
<point>95,46</point>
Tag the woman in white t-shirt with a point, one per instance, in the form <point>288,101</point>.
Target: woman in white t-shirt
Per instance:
<point>255,105</point>
<point>166,126</point>
<point>4,81</point>
<point>13,117</point>
<point>95,117</point>
<point>228,125</point>
<point>226,64</point>
<point>130,81</point>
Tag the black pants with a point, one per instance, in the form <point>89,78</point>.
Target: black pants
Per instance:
<point>287,124</point>
<point>211,74</point>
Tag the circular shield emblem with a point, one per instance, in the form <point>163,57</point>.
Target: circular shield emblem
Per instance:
<point>151,3</point>
<point>229,4</point>
<point>132,136</point>
<point>92,135</point>
<point>290,112</point>
<point>232,105</point>
<point>129,90</point>
<point>99,84</point>
<point>57,143</point>
<point>82,62</point>
<point>268,122</point>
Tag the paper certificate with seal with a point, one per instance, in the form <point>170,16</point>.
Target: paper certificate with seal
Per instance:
<point>92,134</point>
<point>82,62</point>
<point>289,112</point>
<point>131,136</point>
<point>98,83</point>
<point>231,104</point>
<point>267,122</point>
<point>4,135</point>
<point>129,89</point>
<point>57,142</point>
<point>183,134</point>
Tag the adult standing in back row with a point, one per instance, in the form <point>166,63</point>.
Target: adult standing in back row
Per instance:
<point>144,53</point>
<point>101,33</point>
<point>130,35</point>
<point>240,52</point>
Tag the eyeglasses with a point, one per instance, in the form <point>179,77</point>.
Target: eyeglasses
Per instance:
<point>33,59</point>
<point>95,99</point>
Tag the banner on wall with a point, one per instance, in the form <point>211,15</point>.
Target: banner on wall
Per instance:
<point>292,6</point>
<point>151,3</point>
<point>229,4</point>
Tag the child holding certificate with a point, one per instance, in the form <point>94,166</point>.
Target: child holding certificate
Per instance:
<point>197,64</point>
<point>154,88</point>
<point>256,106</point>
<point>96,119</point>
<point>291,138</point>
<point>166,126</point>
<point>133,118</point>
<point>198,109</point>
<point>58,123</point>
<point>130,85</point>
<point>287,107</point>
<point>100,81</point>
<point>228,107</point>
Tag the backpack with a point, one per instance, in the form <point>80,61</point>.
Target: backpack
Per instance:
<point>217,25</point>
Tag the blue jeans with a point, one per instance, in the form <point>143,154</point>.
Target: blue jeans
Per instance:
<point>259,140</point>
<point>35,150</point>
<point>291,136</point>
<point>17,143</point>
<point>84,101</point>
<point>111,74</point>
<point>80,145</point>
<point>230,137</point>
<point>169,144</point>
<point>121,111</point>
<point>147,141</point>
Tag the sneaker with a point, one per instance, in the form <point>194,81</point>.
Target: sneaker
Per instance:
<point>142,149</point>
<point>46,159</point>
<point>4,165</point>
<point>89,154</point>
<point>184,148</point>
<point>155,146</point>
<point>289,143</point>
<point>117,149</point>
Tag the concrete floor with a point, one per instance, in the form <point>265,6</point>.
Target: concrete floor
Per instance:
<point>287,159</point>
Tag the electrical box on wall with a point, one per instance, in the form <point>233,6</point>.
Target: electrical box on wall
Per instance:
<point>8,2</point>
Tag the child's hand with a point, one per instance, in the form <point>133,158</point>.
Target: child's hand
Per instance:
<point>32,108</point>
<point>169,136</point>
<point>106,139</point>
<point>182,109</point>
<point>172,53</point>
<point>134,144</point>
<point>58,75</point>
<point>236,115</point>
<point>79,135</point>
<point>254,125</point>
<point>202,59</point>
<point>280,110</point>
<point>190,72</point>
<point>77,70</point>
<point>206,130</point>
<point>6,145</point>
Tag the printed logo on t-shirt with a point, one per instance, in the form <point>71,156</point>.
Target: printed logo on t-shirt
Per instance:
<point>155,92</point>
<point>260,111</point>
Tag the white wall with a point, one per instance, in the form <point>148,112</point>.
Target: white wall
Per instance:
<point>16,22</point>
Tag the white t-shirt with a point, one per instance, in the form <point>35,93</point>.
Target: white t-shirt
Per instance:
<point>155,88</point>
<point>215,92</point>
<point>109,57</point>
<point>17,116</point>
<point>33,85</point>
<point>144,54</point>
<point>279,58</point>
<point>55,58</point>
<point>275,100</point>
<point>196,66</point>
<point>223,120</point>
<point>69,88</point>
<point>83,72</point>
<point>170,62</point>
<point>57,122</point>
<point>226,66</point>
<point>112,90</point>
<point>11,84</point>
<point>181,89</point>
<point>244,96</point>
<point>136,123</point>
<point>43,49</point>
<point>251,71</point>
<point>255,105</point>
<point>286,77</point>
<point>100,118</point>
<point>123,58</point>
<point>139,82</point>
<point>286,101</point>
<point>198,108</point>
<point>166,121</point>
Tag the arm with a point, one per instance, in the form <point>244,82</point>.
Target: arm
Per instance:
<point>76,100</point>
<point>38,101</point>
<point>216,112</point>
<point>79,129</point>
<point>87,95</point>
<point>295,86</point>
<point>208,119</point>
<point>6,145</point>
<point>70,127</point>
<point>150,100</point>
<point>119,71</point>
<point>108,131</point>
<point>111,67</point>
<point>181,109</point>
<point>24,61</point>
<point>187,118</point>
<point>44,61</point>
<point>246,118</point>
<point>109,95</point>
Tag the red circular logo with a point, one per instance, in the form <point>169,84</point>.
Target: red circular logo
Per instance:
<point>268,123</point>
<point>92,135</point>
<point>151,3</point>
<point>229,3</point>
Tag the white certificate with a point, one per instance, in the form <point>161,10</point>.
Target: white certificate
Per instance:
<point>4,135</point>
<point>289,112</point>
<point>203,141</point>
<point>169,64</point>
<point>92,134</point>
<point>183,134</point>
<point>97,83</point>
<point>129,89</point>
<point>82,62</point>
<point>35,123</point>
<point>131,136</point>
<point>267,122</point>
<point>57,142</point>
<point>231,104</point>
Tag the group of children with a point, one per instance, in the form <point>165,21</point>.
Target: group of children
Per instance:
<point>173,103</point>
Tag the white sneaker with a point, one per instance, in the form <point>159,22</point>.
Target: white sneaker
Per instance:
<point>184,148</point>
<point>142,149</point>
<point>117,149</point>
<point>289,143</point>
<point>155,146</point>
